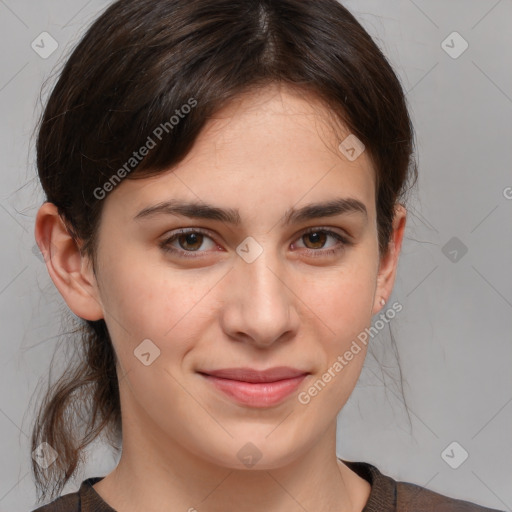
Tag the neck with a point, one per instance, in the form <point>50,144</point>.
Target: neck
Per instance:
<point>149,477</point>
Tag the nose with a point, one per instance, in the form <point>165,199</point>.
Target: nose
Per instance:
<point>260,305</point>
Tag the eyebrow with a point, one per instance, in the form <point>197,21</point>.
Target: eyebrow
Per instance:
<point>195,210</point>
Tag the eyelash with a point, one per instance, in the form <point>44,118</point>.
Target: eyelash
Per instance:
<point>165,245</point>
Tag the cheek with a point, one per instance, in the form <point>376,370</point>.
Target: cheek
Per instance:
<point>343,301</point>
<point>146,302</point>
<point>343,310</point>
<point>343,297</point>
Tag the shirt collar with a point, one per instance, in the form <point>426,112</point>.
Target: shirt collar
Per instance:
<point>382,495</point>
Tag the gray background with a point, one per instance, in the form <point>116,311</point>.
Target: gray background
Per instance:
<point>453,335</point>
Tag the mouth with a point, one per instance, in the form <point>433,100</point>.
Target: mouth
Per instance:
<point>256,388</point>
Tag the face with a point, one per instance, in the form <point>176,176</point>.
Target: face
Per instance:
<point>261,287</point>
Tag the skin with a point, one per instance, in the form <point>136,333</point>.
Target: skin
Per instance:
<point>263,154</point>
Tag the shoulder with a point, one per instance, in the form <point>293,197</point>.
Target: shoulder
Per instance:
<point>83,500</point>
<point>67,503</point>
<point>389,495</point>
<point>414,498</point>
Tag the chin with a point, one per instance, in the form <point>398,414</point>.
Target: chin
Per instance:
<point>254,452</point>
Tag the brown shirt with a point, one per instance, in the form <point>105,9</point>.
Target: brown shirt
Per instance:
<point>387,495</point>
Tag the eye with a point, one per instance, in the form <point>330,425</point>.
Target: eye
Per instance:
<point>190,240</point>
<point>317,237</point>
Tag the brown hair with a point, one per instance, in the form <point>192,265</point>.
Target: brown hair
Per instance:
<point>138,63</point>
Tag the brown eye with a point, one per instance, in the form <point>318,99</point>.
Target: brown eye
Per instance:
<point>193,240</point>
<point>185,243</point>
<point>317,239</point>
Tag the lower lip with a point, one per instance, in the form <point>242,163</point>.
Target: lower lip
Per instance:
<point>257,394</point>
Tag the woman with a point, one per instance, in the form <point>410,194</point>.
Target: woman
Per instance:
<point>225,184</point>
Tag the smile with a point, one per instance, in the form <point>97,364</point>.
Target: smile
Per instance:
<point>256,388</point>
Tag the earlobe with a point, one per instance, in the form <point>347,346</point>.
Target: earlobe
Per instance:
<point>72,276</point>
<point>389,261</point>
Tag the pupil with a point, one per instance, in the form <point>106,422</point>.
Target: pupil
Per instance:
<point>191,239</point>
<point>315,237</point>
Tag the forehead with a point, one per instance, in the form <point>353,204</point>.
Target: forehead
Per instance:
<point>272,116</point>
<point>272,146</point>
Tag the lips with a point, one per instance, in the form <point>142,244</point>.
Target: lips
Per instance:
<point>256,388</point>
<point>250,375</point>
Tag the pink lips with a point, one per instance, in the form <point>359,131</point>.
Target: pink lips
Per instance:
<point>256,388</point>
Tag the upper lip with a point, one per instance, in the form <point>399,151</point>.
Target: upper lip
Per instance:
<point>251,375</point>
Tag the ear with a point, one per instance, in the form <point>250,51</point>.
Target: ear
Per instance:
<point>389,261</point>
<point>70,271</point>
